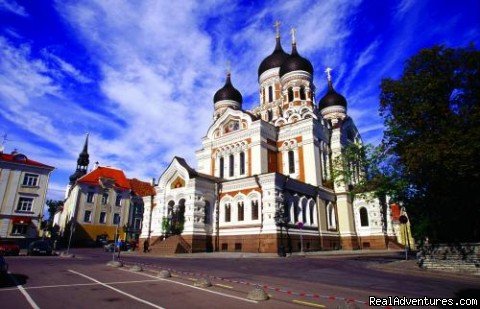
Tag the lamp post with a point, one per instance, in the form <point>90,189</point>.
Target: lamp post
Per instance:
<point>300,226</point>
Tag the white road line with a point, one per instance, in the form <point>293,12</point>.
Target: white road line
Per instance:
<point>205,290</point>
<point>117,290</point>
<point>22,290</point>
<point>77,284</point>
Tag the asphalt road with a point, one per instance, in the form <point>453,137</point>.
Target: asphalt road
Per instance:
<point>323,282</point>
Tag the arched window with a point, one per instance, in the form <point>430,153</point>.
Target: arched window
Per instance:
<point>208,213</point>
<point>222,167</point>
<point>255,210</point>
<point>242,163</point>
<point>290,94</point>
<point>227,212</point>
<point>304,211</point>
<point>231,165</point>
<point>363,216</point>
<point>303,94</point>
<point>331,216</point>
<point>240,211</point>
<point>312,205</point>
<point>287,211</point>
<point>295,211</point>
<point>291,162</point>
<point>270,94</point>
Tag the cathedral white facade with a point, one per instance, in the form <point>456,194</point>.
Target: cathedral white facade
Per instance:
<point>264,176</point>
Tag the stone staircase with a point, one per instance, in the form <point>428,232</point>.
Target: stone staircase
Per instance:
<point>171,245</point>
<point>463,258</point>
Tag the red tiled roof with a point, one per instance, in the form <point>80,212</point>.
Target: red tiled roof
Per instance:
<point>22,159</point>
<point>141,188</point>
<point>94,176</point>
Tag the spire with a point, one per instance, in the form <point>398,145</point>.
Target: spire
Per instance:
<point>278,45</point>
<point>277,29</point>
<point>85,146</point>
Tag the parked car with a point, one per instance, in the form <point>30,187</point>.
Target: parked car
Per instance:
<point>9,247</point>
<point>3,265</point>
<point>40,247</point>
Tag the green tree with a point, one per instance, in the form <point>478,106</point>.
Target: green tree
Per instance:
<point>432,120</point>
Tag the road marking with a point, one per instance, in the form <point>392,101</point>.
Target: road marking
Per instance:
<point>77,284</point>
<point>197,288</point>
<point>22,290</point>
<point>117,290</point>
<point>306,303</point>
<point>223,286</point>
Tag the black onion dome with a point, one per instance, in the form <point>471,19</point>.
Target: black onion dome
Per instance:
<point>332,98</point>
<point>295,62</point>
<point>228,92</point>
<point>275,60</point>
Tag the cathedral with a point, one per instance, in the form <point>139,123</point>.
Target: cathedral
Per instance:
<point>263,181</point>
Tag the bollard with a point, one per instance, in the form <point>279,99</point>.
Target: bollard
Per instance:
<point>257,294</point>
<point>164,274</point>
<point>136,268</point>
<point>202,283</point>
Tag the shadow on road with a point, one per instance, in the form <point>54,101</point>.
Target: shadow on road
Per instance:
<point>468,293</point>
<point>7,282</point>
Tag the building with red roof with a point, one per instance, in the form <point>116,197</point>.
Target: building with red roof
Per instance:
<point>23,188</point>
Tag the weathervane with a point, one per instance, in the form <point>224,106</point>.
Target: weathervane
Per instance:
<point>329,76</point>
<point>277,28</point>
<point>293,31</point>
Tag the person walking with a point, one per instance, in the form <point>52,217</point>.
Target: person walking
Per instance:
<point>145,246</point>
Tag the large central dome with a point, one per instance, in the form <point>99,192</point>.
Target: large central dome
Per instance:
<point>275,60</point>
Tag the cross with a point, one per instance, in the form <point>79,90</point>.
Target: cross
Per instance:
<point>329,76</point>
<point>229,68</point>
<point>293,31</point>
<point>277,28</point>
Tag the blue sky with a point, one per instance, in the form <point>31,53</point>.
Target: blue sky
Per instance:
<point>140,75</point>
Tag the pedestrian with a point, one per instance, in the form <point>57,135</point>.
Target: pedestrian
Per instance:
<point>145,246</point>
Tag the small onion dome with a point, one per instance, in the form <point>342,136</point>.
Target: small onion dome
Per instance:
<point>228,92</point>
<point>332,98</point>
<point>275,60</point>
<point>295,62</point>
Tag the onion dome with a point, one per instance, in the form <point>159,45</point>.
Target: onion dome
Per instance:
<point>228,92</point>
<point>295,62</point>
<point>332,98</point>
<point>275,60</point>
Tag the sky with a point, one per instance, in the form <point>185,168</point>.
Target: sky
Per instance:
<point>139,76</point>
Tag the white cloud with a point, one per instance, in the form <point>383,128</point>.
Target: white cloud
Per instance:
<point>13,7</point>
<point>403,7</point>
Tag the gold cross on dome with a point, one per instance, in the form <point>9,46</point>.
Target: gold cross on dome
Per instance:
<point>293,31</point>
<point>277,28</point>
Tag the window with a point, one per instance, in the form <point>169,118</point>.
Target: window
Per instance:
<point>290,94</point>
<point>87,217</point>
<point>270,94</point>
<point>19,229</point>
<point>263,94</point>
<point>291,162</point>
<point>331,217</point>
<point>104,198</point>
<point>30,180</point>
<point>302,93</point>
<point>254,210</point>
<point>25,204</point>
<point>103,217</point>
<point>242,163</point>
<point>231,163</point>
<point>222,166</point>
<point>227,213</point>
<point>207,213</point>
<point>118,200</point>
<point>90,197</point>
<point>240,211</point>
<point>116,218</point>
<point>295,211</point>
<point>238,246</point>
<point>137,223</point>
<point>311,213</point>
<point>269,115</point>
<point>224,247</point>
<point>363,216</point>
<point>304,212</point>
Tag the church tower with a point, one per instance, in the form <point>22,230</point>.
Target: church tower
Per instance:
<point>82,163</point>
